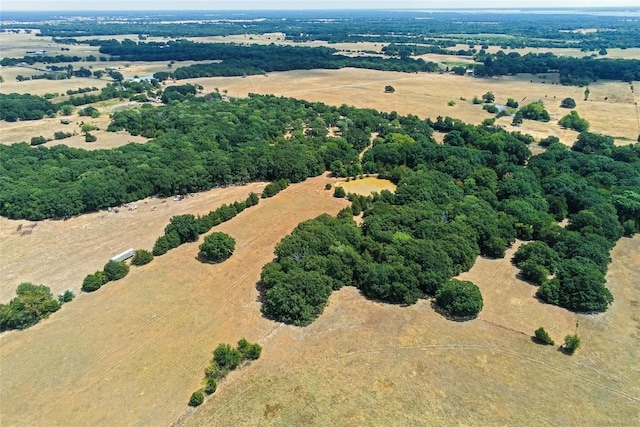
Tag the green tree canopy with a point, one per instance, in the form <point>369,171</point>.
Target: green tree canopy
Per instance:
<point>217,247</point>
<point>459,298</point>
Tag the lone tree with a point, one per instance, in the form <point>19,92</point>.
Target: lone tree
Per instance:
<point>568,103</point>
<point>389,89</point>
<point>571,343</point>
<point>488,97</point>
<point>459,298</point>
<point>543,337</point>
<point>217,247</point>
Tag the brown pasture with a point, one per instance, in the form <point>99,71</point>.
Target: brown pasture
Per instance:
<point>367,363</point>
<point>132,352</point>
<point>61,253</point>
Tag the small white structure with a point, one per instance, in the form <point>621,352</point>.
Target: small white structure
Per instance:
<point>124,255</point>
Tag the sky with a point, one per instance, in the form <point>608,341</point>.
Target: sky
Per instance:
<point>60,5</point>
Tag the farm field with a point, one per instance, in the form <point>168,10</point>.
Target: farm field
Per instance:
<point>366,363</point>
<point>86,243</point>
<point>134,351</point>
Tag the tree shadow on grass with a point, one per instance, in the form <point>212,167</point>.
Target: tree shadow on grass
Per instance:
<point>450,317</point>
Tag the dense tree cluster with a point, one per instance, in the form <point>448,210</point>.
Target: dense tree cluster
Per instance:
<point>199,144</point>
<point>573,71</point>
<point>16,106</point>
<point>473,195</point>
<point>31,304</point>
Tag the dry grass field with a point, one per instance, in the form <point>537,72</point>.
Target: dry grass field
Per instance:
<point>367,185</point>
<point>60,254</point>
<point>133,352</point>
<point>366,363</point>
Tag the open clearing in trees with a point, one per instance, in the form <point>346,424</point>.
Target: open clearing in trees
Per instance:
<point>132,352</point>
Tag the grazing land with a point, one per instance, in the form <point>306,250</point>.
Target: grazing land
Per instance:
<point>61,253</point>
<point>149,336</point>
<point>366,363</point>
<point>132,352</point>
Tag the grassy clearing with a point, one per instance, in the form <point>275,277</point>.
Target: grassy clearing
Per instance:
<point>367,185</point>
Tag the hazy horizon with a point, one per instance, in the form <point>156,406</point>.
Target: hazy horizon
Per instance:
<point>226,5</point>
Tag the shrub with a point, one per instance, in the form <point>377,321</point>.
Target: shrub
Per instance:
<point>490,108</point>
<point>389,89</point>
<point>142,257</point>
<point>38,140</point>
<point>249,351</point>
<point>210,385</point>
<point>545,142</point>
<point>173,240</point>
<point>161,246</point>
<point>252,200</point>
<point>217,247</point>
<point>185,226</point>
<point>66,296</point>
<point>227,358</point>
<point>327,186</point>
<point>543,337</point>
<point>339,192</point>
<point>568,103</point>
<point>94,281</point>
<point>574,121</point>
<point>196,398</point>
<point>90,138</point>
<point>571,343</point>
<point>459,298</point>
<point>512,103</point>
<point>61,135</point>
<point>116,270</point>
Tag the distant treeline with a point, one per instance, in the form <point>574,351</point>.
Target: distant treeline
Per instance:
<point>572,70</point>
<point>510,30</point>
<point>238,60</point>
